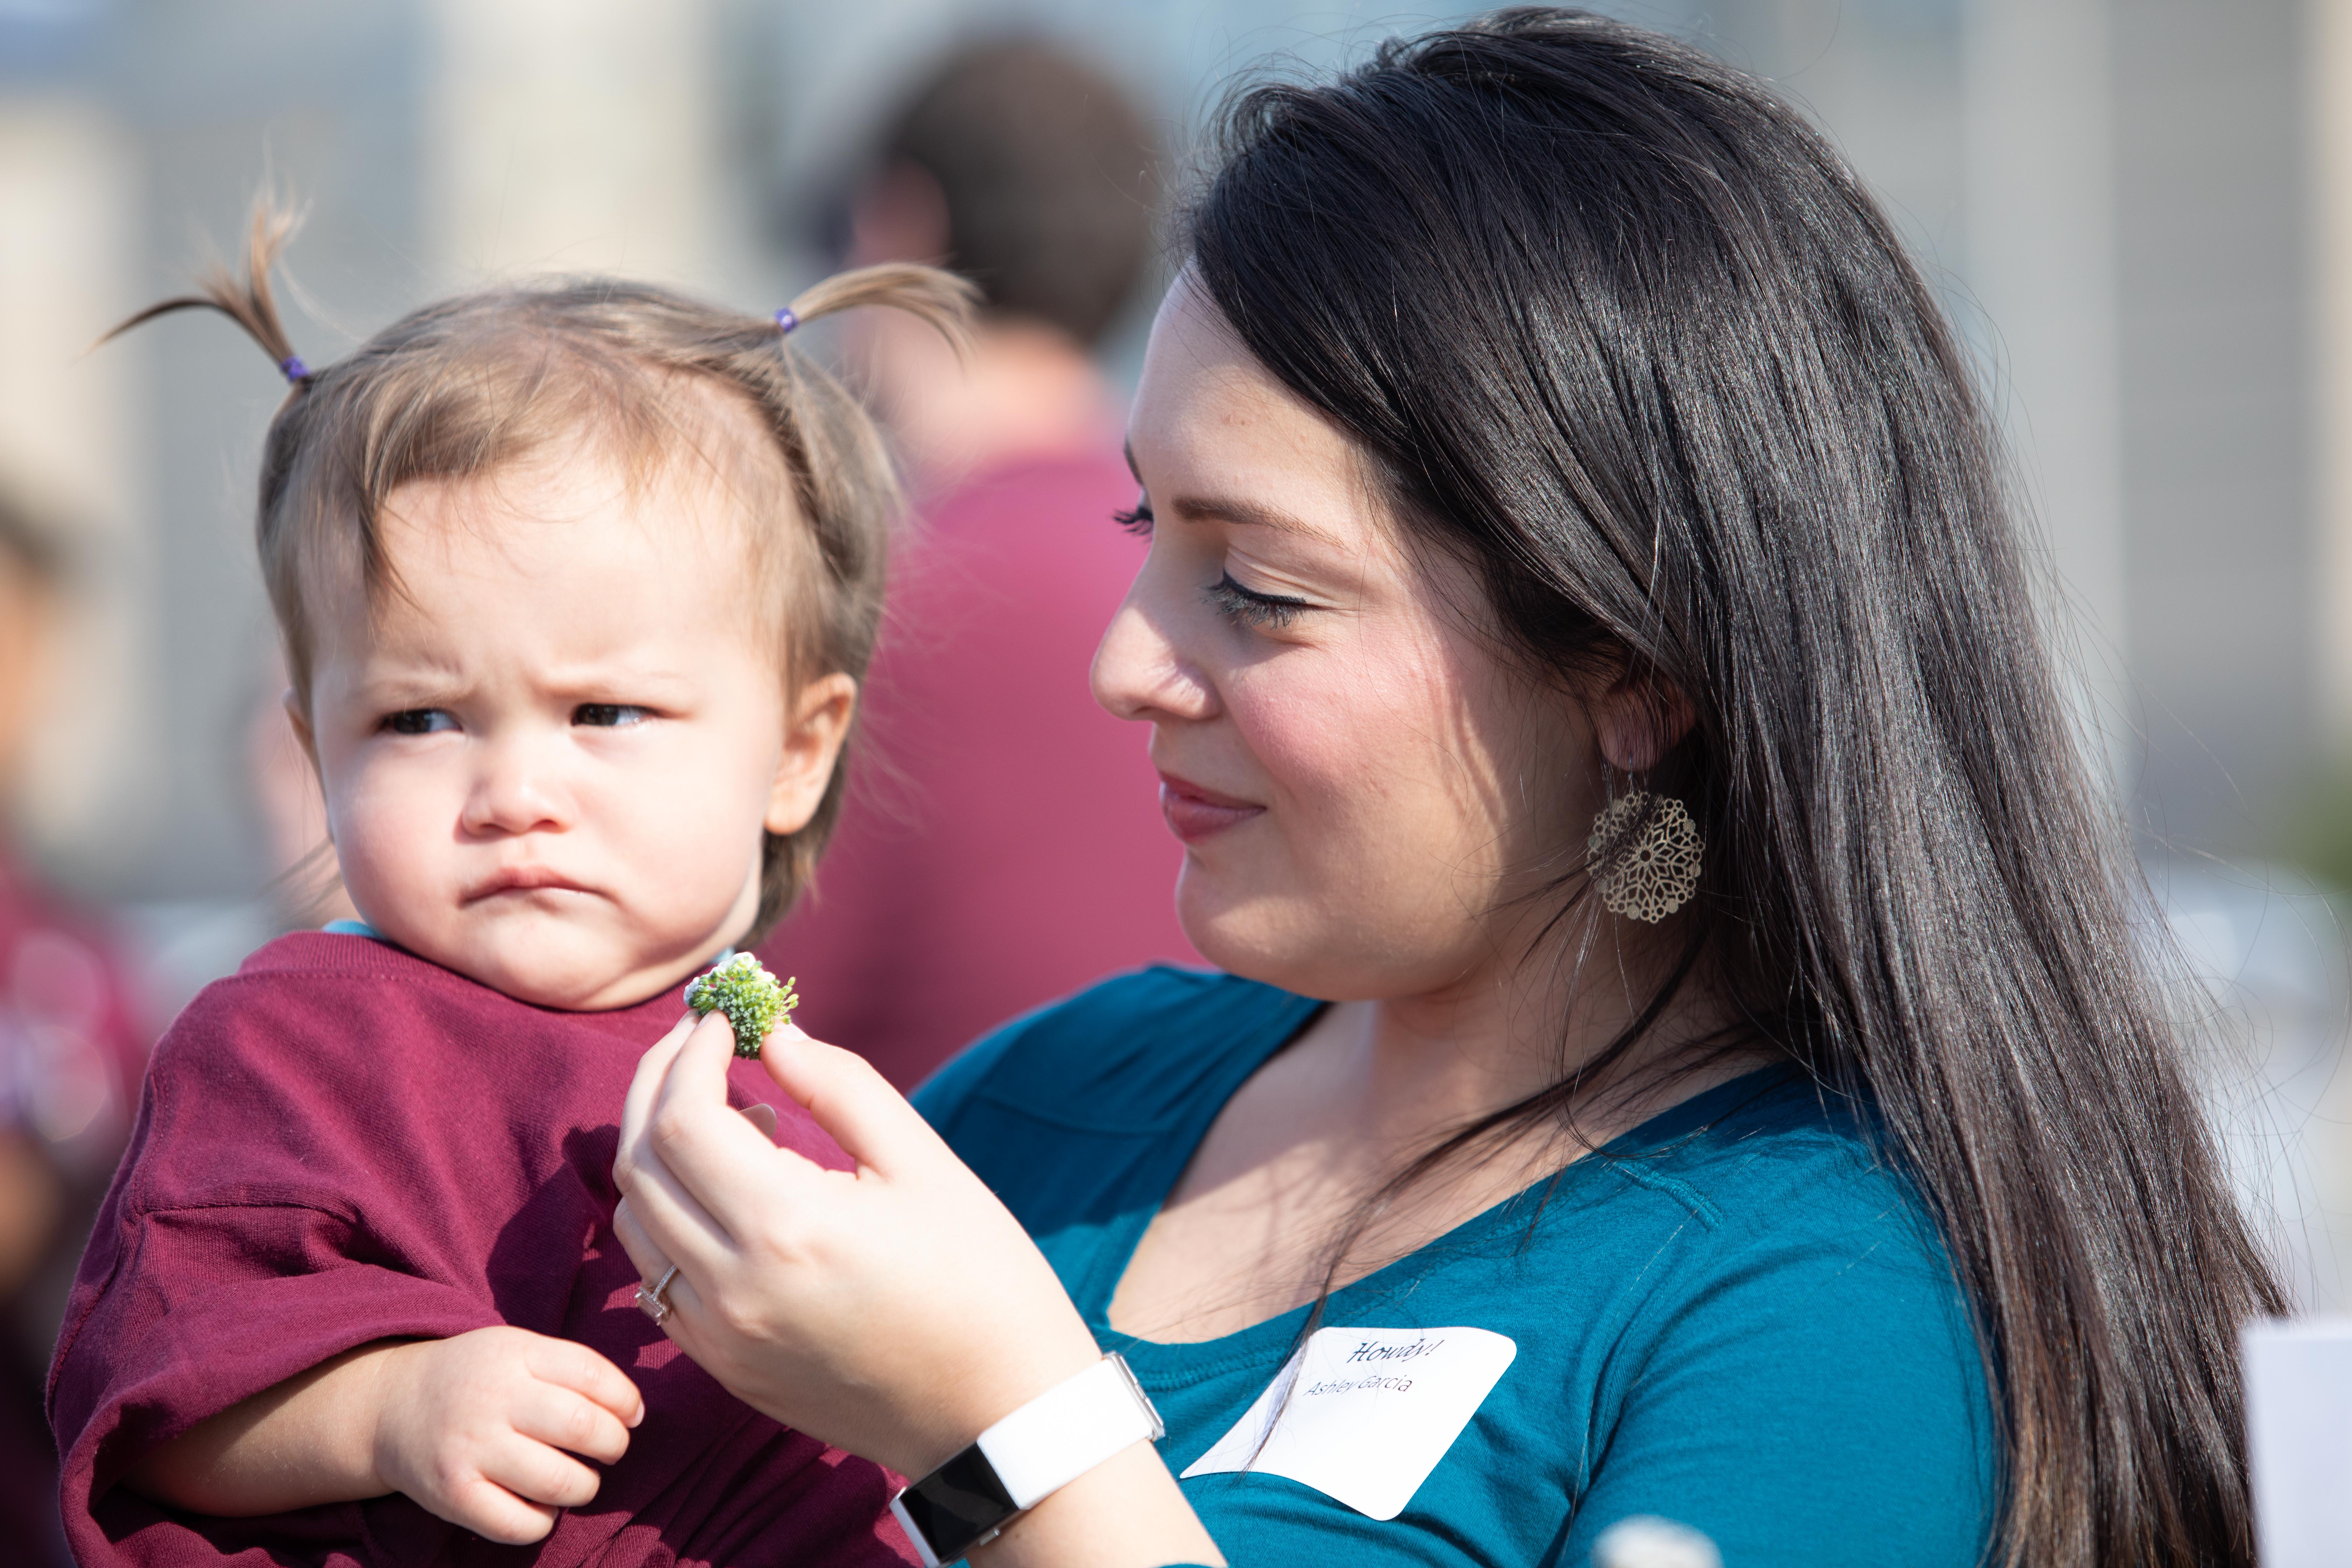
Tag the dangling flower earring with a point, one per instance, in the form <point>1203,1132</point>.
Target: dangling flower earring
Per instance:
<point>1653,874</point>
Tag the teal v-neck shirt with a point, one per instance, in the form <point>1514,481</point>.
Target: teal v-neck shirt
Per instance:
<point>1734,1316</point>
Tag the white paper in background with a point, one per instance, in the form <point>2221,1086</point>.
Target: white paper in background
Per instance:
<point>1370,1412</point>
<point>2299,1440</point>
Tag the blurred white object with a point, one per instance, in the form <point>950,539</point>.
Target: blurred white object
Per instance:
<point>1645,1540</point>
<point>2299,1439</point>
<point>2264,1020</point>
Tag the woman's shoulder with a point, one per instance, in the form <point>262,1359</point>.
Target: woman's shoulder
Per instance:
<point>1774,1160</point>
<point>1788,1311</point>
<point>1128,1055</point>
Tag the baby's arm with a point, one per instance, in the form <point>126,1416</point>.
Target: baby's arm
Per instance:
<point>470,1428</point>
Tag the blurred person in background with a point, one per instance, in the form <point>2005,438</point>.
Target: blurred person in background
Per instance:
<point>71,1052</point>
<point>942,908</point>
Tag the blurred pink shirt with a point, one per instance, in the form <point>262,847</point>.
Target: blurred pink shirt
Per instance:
<point>1002,844</point>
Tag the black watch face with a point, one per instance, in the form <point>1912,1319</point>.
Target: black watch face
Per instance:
<point>958,1505</point>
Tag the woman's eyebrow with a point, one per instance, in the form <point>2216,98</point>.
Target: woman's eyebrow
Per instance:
<point>1251,514</point>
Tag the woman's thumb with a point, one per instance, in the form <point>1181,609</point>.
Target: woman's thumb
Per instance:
<point>842,1092</point>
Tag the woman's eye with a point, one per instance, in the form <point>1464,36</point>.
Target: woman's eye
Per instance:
<point>1248,607</point>
<point>420,720</point>
<point>608,715</point>
<point>1136,520</point>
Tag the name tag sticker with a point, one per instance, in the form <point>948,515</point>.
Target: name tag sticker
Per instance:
<point>1363,1415</point>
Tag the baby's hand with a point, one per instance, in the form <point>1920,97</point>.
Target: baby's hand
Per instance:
<point>473,1428</point>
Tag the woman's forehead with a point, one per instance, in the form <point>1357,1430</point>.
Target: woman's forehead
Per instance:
<point>1210,422</point>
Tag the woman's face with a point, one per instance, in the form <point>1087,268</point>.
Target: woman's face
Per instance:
<point>1365,790</point>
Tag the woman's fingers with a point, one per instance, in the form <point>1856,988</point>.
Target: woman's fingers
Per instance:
<point>697,1150</point>
<point>651,1261</point>
<point>576,1369</point>
<point>700,1069</point>
<point>761,1115</point>
<point>645,1088</point>
<point>871,1120</point>
<point>670,1215</point>
<point>677,1323</point>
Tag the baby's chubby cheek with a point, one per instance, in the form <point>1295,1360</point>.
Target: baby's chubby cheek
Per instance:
<point>694,878</point>
<point>385,847</point>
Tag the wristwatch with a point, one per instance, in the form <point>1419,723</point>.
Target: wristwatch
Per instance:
<point>1027,1456</point>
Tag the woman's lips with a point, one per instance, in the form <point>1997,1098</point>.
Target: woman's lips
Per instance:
<point>1195,813</point>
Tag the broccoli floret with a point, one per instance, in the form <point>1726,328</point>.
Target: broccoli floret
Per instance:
<point>751,998</point>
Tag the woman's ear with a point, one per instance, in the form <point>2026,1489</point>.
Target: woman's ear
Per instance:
<point>815,731</point>
<point>1639,718</point>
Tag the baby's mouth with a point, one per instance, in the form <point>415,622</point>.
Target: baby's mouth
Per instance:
<point>522,879</point>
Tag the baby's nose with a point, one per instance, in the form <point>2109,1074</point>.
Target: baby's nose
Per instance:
<point>515,790</point>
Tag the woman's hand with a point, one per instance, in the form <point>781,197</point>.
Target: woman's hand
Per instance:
<point>895,1309</point>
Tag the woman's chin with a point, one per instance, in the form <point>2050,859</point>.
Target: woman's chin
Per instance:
<point>1256,939</point>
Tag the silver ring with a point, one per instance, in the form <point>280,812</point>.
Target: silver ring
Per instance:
<point>650,1303</point>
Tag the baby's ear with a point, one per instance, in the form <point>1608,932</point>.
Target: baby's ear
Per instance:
<point>300,720</point>
<point>815,731</point>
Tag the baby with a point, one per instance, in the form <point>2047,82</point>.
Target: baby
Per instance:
<point>575,585</point>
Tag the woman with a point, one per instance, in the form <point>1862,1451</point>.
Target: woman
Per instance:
<point>1557,478</point>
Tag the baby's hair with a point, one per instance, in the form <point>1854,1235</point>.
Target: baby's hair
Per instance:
<point>473,384</point>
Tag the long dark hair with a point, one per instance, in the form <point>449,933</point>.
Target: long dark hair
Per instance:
<point>1622,331</point>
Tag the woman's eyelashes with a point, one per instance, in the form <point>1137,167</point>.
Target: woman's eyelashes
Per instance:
<point>1248,607</point>
<point>1243,606</point>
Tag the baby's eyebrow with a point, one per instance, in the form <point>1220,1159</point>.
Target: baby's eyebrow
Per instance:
<point>615,672</point>
<point>380,674</point>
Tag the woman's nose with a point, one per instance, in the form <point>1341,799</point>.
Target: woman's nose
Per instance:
<point>514,789</point>
<point>1140,670</point>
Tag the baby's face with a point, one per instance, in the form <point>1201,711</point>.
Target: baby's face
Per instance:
<point>551,753</point>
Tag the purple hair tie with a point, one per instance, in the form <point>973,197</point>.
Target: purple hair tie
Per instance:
<point>786,320</point>
<point>294,368</point>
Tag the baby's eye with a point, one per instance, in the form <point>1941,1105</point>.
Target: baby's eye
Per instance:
<point>609,715</point>
<point>420,720</point>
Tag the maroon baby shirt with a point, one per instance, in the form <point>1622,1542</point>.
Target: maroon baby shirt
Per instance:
<point>343,1143</point>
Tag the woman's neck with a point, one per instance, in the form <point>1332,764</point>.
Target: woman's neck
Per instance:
<point>1307,1150</point>
<point>1534,1017</point>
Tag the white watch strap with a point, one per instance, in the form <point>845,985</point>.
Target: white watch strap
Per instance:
<point>1068,1430</point>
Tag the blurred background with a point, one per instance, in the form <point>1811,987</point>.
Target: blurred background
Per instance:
<point>2140,212</point>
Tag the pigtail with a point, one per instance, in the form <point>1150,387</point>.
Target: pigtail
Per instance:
<point>942,298</point>
<point>249,302</point>
<point>849,496</point>
<point>840,462</point>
